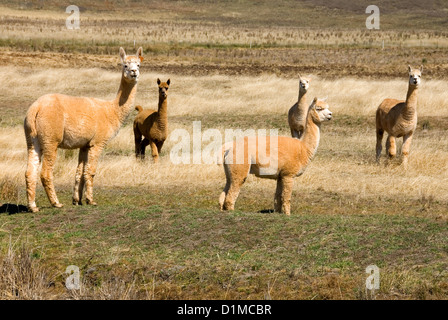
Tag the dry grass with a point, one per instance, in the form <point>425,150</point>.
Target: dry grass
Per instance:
<point>157,232</point>
<point>215,94</point>
<point>22,277</point>
<point>161,32</point>
<point>346,150</point>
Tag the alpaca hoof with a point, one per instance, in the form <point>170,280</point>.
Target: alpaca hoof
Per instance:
<point>77,202</point>
<point>33,209</point>
<point>57,205</point>
<point>91,202</point>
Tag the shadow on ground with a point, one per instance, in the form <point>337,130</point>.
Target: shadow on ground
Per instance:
<point>11,208</point>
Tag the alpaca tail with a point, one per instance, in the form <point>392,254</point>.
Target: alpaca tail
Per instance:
<point>30,121</point>
<point>139,108</point>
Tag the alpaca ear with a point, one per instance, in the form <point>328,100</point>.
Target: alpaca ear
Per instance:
<point>300,77</point>
<point>158,81</point>
<point>122,55</point>
<point>168,82</point>
<point>313,104</point>
<point>409,69</point>
<point>324,99</point>
<point>140,53</point>
<point>421,68</point>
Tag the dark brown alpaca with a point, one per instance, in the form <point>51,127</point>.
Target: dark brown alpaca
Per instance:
<point>152,125</point>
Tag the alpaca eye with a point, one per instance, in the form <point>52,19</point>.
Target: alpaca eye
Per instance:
<point>125,66</point>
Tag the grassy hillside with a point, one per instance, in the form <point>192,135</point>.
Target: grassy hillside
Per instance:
<point>341,14</point>
<point>157,232</point>
<point>226,37</point>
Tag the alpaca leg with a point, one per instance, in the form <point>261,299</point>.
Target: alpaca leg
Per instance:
<point>79,177</point>
<point>143,145</point>
<point>391,147</point>
<point>34,156</point>
<point>287,184</point>
<point>137,142</point>
<point>154,151</point>
<point>232,195</point>
<point>379,144</point>
<point>407,139</point>
<point>223,195</point>
<point>48,161</point>
<point>89,172</point>
<point>294,134</point>
<point>278,196</point>
<point>236,180</point>
<point>159,145</point>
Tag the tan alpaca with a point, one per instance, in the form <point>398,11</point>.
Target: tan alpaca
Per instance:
<point>282,159</point>
<point>399,119</point>
<point>297,113</point>
<point>58,121</point>
<point>152,125</point>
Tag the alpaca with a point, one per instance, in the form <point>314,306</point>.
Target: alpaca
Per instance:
<point>297,113</point>
<point>58,121</point>
<point>399,119</point>
<point>152,125</point>
<point>287,158</point>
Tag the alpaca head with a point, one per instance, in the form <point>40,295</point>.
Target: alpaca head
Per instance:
<point>320,111</point>
<point>415,76</point>
<point>163,88</point>
<point>304,83</point>
<point>131,65</point>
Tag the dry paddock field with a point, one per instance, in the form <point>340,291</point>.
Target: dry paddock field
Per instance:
<point>157,232</point>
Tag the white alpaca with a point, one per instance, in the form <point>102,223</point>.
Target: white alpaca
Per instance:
<point>297,113</point>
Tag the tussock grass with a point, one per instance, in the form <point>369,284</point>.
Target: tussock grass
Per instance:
<point>157,233</point>
<point>198,96</point>
<point>24,276</point>
<point>21,276</point>
<point>346,151</point>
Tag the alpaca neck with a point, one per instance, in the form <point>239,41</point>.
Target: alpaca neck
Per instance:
<point>411,102</point>
<point>302,99</point>
<point>302,107</point>
<point>162,111</point>
<point>310,140</point>
<point>124,100</point>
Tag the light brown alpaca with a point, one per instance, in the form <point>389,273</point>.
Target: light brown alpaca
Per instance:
<point>283,159</point>
<point>297,113</point>
<point>58,121</point>
<point>399,119</point>
<point>152,125</point>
